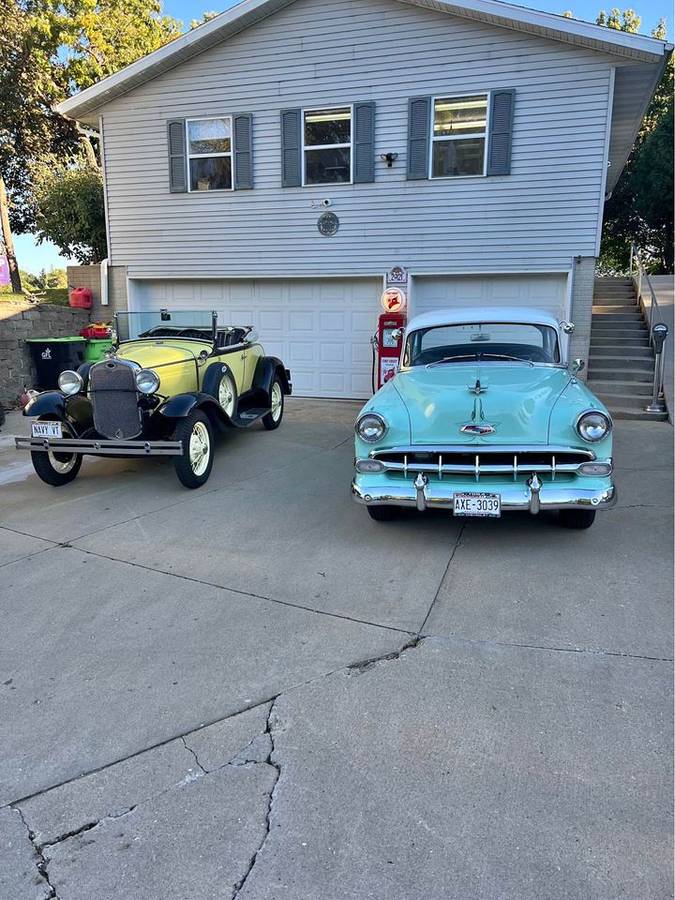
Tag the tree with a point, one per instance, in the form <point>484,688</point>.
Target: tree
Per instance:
<point>70,212</point>
<point>48,50</point>
<point>640,209</point>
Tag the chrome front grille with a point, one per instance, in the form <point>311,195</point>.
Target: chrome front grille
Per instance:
<point>112,386</point>
<point>480,461</point>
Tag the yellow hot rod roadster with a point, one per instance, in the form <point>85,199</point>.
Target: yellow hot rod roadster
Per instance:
<point>170,381</point>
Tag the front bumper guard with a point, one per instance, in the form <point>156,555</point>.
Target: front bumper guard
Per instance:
<point>100,446</point>
<point>532,497</point>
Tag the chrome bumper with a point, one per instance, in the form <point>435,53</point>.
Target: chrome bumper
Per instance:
<point>530,497</point>
<point>100,446</point>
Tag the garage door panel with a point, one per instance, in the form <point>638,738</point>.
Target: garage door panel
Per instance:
<point>320,329</point>
<point>538,291</point>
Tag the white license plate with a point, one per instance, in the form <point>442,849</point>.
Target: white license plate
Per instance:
<point>477,505</point>
<point>46,430</point>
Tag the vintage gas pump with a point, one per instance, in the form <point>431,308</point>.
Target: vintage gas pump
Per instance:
<point>389,337</point>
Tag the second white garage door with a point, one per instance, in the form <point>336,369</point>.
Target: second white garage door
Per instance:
<point>535,291</point>
<point>321,329</point>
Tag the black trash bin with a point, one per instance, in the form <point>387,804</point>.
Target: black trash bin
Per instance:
<point>51,356</point>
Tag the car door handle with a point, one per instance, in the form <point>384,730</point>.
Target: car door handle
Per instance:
<point>243,356</point>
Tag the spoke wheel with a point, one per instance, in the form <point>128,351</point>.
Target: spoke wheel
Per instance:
<point>273,418</point>
<point>193,466</point>
<point>200,448</point>
<point>227,395</point>
<point>57,469</point>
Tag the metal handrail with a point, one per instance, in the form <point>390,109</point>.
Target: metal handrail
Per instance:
<point>657,334</point>
<point>638,277</point>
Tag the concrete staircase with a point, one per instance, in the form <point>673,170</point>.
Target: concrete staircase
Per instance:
<point>621,362</point>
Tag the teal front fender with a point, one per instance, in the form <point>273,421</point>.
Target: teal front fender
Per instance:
<point>388,404</point>
<point>573,401</point>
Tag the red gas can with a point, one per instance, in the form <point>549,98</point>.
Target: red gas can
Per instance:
<point>80,298</point>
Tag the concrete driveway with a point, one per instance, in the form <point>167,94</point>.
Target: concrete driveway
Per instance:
<point>253,691</point>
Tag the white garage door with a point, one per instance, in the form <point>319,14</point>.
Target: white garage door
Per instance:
<point>547,292</point>
<point>320,329</point>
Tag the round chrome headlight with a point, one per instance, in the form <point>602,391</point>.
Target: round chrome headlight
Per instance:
<point>371,427</point>
<point>593,426</point>
<point>70,382</point>
<point>147,381</point>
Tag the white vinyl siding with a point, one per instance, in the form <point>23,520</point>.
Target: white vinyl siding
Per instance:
<point>317,54</point>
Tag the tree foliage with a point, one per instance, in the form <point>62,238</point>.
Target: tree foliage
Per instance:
<point>70,212</point>
<point>49,49</point>
<point>640,209</point>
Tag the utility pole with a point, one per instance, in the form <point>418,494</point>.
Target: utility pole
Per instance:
<point>6,239</point>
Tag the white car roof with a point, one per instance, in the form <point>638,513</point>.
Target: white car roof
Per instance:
<point>466,315</point>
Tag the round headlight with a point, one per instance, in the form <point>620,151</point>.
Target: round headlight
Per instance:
<point>70,382</point>
<point>147,381</point>
<point>593,426</point>
<point>371,427</point>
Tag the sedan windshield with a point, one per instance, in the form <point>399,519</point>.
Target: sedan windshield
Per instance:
<point>490,342</point>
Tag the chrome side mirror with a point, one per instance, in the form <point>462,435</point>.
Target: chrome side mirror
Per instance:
<point>396,334</point>
<point>567,327</point>
<point>578,365</point>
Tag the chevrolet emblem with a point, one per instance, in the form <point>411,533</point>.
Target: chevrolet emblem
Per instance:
<point>481,429</point>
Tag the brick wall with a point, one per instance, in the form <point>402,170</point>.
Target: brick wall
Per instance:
<point>582,308</point>
<point>20,320</point>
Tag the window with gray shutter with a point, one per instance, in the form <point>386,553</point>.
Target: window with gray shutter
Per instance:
<point>243,152</point>
<point>177,162</point>
<point>419,116</point>
<point>501,129</point>
<point>291,160</point>
<point>364,142</point>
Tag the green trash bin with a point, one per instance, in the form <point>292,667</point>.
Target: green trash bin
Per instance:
<point>51,356</point>
<point>96,348</point>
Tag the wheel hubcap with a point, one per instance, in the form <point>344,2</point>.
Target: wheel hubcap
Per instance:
<point>277,400</point>
<point>200,447</point>
<point>226,395</point>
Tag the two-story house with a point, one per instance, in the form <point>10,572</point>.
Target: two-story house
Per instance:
<point>471,143</point>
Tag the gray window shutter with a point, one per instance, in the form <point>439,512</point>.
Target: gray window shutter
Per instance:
<point>364,142</point>
<point>177,162</point>
<point>243,151</point>
<point>291,162</point>
<point>419,116</point>
<point>501,128</point>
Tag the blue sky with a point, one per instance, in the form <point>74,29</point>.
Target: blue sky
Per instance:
<point>32,257</point>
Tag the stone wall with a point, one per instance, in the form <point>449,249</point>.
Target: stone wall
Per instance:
<point>20,320</point>
<point>90,277</point>
<point>582,308</point>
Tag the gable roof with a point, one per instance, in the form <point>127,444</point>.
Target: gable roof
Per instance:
<point>644,57</point>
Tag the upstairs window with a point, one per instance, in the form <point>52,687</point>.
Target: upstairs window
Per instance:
<point>458,139</point>
<point>209,152</point>
<point>327,143</point>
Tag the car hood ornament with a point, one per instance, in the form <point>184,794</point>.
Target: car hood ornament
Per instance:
<point>478,426</point>
<point>477,388</point>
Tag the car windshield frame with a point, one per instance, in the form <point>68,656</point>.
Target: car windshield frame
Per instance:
<point>134,325</point>
<point>480,350</point>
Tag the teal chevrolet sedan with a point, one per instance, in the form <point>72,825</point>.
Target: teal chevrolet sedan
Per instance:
<point>485,416</point>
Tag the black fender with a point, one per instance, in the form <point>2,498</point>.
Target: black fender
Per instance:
<point>213,376</point>
<point>83,372</point>
<point>182,405</point>
<point>48,403</point>
<point>268,367</point>
<point>76,409</point>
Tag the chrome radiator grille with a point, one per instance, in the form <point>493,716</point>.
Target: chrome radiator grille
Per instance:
<point>480,461</point>
<point>112,387</point>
